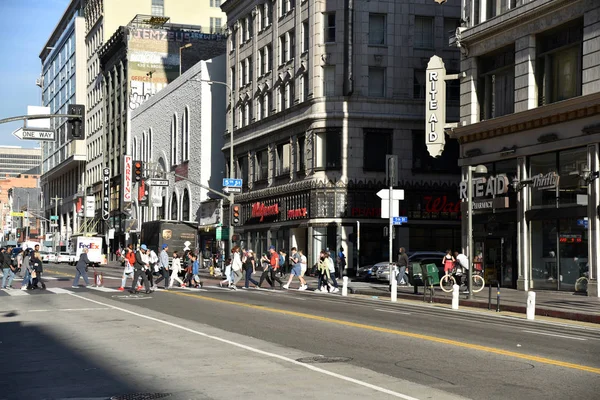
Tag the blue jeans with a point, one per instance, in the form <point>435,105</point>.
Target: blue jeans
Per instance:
<point>402,276</point>
<point>80,274</point>
<point>26,279</point>
<point>7,273</point>
<point>249,278</point>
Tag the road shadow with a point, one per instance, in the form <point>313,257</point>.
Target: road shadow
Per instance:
<point>36,365</point>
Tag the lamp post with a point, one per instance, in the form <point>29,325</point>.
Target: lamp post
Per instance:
<point>480,169</point>
<point>56,201</point>
<point>185,46</point>
<point>231,195</point>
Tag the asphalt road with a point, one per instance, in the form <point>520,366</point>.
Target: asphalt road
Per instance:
<point>376,349</point>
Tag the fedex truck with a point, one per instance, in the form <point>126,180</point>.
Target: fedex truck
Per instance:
<point>94,246</point>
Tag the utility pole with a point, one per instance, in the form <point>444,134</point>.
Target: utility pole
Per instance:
<point>56,200</point>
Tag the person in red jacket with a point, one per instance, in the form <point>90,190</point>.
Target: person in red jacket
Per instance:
<point>274,261</point>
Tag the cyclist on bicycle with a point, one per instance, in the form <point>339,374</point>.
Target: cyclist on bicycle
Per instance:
<point>462,262</point>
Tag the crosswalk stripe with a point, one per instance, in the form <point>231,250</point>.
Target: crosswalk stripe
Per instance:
<point>102,289</point>
<point>16,292</point>
<point>58,290</point>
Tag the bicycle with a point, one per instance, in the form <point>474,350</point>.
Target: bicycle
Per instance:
<point>581,284</point>
<point>448,281</point>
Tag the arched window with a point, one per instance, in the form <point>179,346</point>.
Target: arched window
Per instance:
<point>174,141</point>
<point>185,206</point>
<point>185,141</point>
<point>174,209</point>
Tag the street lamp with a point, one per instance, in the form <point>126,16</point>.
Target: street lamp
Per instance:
<point>185,46</point>
<point>231,195</point>
<point>480,169</point>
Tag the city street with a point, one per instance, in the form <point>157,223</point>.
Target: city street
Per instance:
<point>214,343</point>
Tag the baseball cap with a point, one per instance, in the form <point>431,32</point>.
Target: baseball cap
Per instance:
<point>144,247</point>
<point>271,247</point>
<point>165,246</point>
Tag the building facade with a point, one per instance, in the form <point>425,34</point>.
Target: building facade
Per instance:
<point>321,92</point>
<point>15,160</point>
<point>530,103</point>
<point>138,61</point>
<point>179,131</point>
<point>20,205</point>
<point>63,83</point>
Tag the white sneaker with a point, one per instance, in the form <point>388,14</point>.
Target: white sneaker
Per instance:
<point>335,290</point>
<point>286,286</point>
<point>23,287</point>
<point>75,287</point>
<point>304,287</point>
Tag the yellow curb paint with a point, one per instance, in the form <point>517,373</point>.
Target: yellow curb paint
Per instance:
<point>470,346</point>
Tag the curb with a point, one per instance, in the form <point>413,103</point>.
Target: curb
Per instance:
<point>539,311</point>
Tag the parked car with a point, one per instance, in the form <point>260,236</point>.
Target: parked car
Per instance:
<point>47,257</point>
<point>66,258</point>
<point>422,257</point>
<point>366,272</point>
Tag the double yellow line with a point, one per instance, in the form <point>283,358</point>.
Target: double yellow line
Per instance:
<point>373,328</point>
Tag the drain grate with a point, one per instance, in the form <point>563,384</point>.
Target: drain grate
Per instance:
<point>141,396</point>
<point>323,359</point>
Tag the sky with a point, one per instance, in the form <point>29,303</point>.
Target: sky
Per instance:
<point>25,26</point>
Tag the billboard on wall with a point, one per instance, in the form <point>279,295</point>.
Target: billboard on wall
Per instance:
<point>154,57</point>
<point>435,106</point>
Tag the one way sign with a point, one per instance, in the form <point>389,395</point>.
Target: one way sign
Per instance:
<point>35,134</point>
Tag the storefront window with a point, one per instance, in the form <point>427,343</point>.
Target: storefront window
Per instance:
<point>570,162</point>
<point>573,251</point>
<point>544,258</point>
<point>542,164</point>
<point>319,242</point>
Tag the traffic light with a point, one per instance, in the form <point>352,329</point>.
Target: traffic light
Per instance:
<point>235,215</point>
<point>138,170</point>
<point>18,233</point>
<point>143,194</point>
<point>76,126</point>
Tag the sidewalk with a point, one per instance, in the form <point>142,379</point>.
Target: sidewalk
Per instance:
<point>564,305</point>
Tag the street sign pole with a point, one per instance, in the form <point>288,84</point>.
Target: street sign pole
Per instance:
<point>392,179</point>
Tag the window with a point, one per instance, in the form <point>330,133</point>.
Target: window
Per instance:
<point>496,89</point>
<point>249,68</point>
<point>242,169</point>
<point>261,168</point>
<point>158,7</point>
<point>215,3</point>
<point>419,84</point>
<point>259,108</point>
<point>266,14</point>
<point>329,81</point>
<point>283,49</point>
<point>215,25</point>
<point>262,62</point>
<point>422,162</point>
<point>243,31</point>
<point>174,210</point>
<point>376,82</point>
<point>377,29</point>
<point>267,104</point>
<point>282,97</point>
<point>291,44</point>
<point>290,87</point>
<point>329,27</point>
<point>243,75</point>
<point>423,32</point>
<point>376,141</point>
<point>185,206</point>
<point>270,57</point>
<point>328,152</point>
<point>249,27</point>
<point>301,153</point>
<point>283,158</point>
<point>304,86</point>
<point>232,43</point>
<point>185,142</point>
<point>558,66</point>
<point>450,25</point>
<point>174,140</point>
<point>232,73</point>
<point>305,36</point>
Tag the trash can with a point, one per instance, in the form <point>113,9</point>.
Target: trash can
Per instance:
<point>433,274</point>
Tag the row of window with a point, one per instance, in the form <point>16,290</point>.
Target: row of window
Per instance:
<point>327,153</point>
<point>558,71</point>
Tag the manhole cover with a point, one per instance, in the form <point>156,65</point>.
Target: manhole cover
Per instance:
<point>141,396</point>
<point>323,359</point>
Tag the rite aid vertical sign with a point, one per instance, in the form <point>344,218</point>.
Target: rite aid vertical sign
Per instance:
<point>105,193</point>
<point>127,179</point>
<point>435,106</point>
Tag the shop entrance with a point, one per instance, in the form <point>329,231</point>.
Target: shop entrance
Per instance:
<point>497,256</point>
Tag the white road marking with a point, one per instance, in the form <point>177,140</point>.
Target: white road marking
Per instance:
<point>392,311</point>
<point>58,290</point>
<point>554,335</point>
<point>102,289</point>
<point>16,292</point>
<point>258,351</point>
<point>72,309</point>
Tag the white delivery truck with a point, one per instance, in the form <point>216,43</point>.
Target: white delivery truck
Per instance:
<point>94,246</point>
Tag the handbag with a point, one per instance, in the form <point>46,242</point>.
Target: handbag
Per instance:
<point>34,274</point>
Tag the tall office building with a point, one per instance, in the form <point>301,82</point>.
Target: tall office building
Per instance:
<point>530,106</point>
<point>15,160</point>
<point>321,92</point>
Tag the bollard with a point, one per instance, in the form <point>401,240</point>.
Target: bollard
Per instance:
<point>345,286</point>
<point>455,297</point>
<point>498,298</point>
<point>394,289</point>
<point>531,305</point>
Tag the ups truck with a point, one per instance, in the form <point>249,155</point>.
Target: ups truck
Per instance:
<point>176,234</point>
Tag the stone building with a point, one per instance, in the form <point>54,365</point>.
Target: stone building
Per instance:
<point>530,105</point>
<point>322,91</point>
<point>178,135</point>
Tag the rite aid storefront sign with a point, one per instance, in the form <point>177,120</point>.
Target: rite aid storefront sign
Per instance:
<point>488,193</point>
